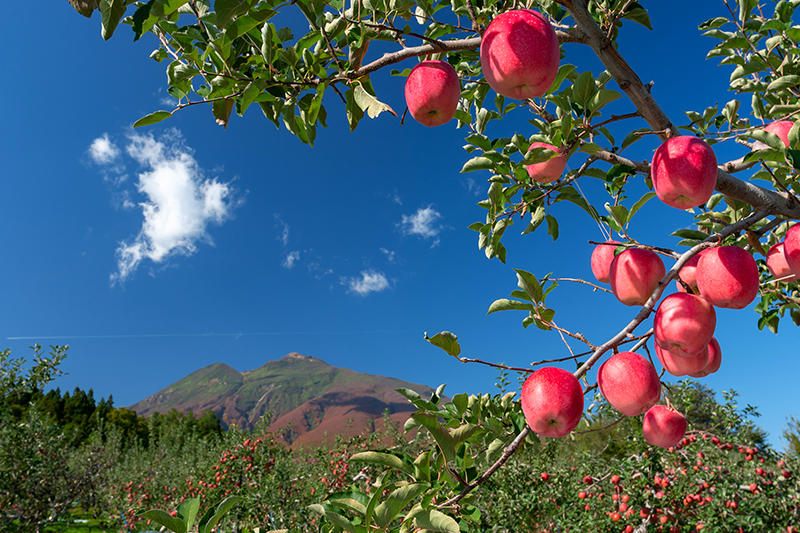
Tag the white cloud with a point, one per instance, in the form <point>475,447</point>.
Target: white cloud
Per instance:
<point>178,205</point>
<point>284,236</point>
<point>370,281</point>
<point>390,254</point>
<point>103,151</point>
<point>291,259</point>
<point>423,223</point>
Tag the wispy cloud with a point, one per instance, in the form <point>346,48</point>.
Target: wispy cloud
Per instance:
<point>178,202</point>
<point>103,151</point>
<point>369,281</point>
<point>473,187</point>
<point>290,259</point>
<point>424,223</point>
<point>284,227</point>
<point>390,254</point>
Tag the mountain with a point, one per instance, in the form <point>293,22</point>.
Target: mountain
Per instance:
<point>317,399</point>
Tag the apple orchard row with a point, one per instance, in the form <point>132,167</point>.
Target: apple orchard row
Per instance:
<point>520,58</point>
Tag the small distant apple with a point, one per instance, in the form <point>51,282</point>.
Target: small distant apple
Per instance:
<point>791,249</point>
<point>684,324</point>
<point>714,360</point>
<point>663,427</point>
<point>777,264</point>
<point>432,92</point>
<point>727,276</point>
<point>629,382</point>
<point>682,366</point>
<point>781,129</point>
<point>602,256</point>
<point>634,275</point>
<point>684,172</point>
<point>547,171</point>
<point>520,54</point>
<point>552,401</point>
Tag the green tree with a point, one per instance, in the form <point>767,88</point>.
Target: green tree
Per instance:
<point>791,434</point>
<point>233,54</point>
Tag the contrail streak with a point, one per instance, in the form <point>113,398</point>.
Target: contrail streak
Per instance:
<point>167,335</point>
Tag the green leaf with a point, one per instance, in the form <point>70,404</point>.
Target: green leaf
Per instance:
<point>388,509</point>
<point>770,139</point>
<point>640,203</point>
<point>638,14</point>
<point>142,21</point>
<point>505,304</point>
<point>783,82</point>
<point>226,9</point>
<point>528,283</point>
<point>333,517</point>
<point>537,217</point>
<point>619,212</point>
<point>187,511</point>
<point>443,439</point>
<point>162,8</point>
<point>446,341</point>
<point>583,89</point>
<point>552,226</point>
<point>563,72</point>
<point>215,513</point>
<point>367,102</point>
<point>111,12</point>
<point>478,163</point>
<point>690,234</point>
<point>161,517</point>
<point>383,459</point>
<point>350,501</point>
<point>152,118</point>
<point>435,521</point>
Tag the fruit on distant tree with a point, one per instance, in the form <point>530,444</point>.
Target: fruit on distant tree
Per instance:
<point>432,92</point>
<point>776,262</point>
<point>689,274</point>
<point>791,249</point>
<point>547,171</point>
<point>520,54</point>
<point>629,382</point>
<point>684,324</point>
<point>552,401</point>
<point>727,276</point>
<point>663,427</point>
<point>714,360</point>
<point>781,129</point>
<point>602,256</point>
<point>682,366</point>
<point>684,172</point>
<point>634,275</point>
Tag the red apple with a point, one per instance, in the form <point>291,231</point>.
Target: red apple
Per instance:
<point>547,171</point>
<point>552,401</point>
<point>432,92</point>
<point>777,264</point>
<point>689,273</point>
<point>634,275</point>
<point>663,427</point>
<point>682,366</point>
<point>630,383</point>
<point>714,360</point>
<point>684,324</point>
<point>781,129</point>
<point>602,256</point>
<point>684,172</point>
<point>520,54</point>
<point>727,276</point>
<point>791,249</point>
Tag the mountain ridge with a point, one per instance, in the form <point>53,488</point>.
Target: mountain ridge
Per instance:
<point>310,397</point>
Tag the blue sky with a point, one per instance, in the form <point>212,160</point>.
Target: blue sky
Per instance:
<point>349,251</point>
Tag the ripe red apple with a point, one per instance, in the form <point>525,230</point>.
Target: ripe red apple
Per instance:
<point>663,427</point>
<point>432,92</point>
<point>714,360</point>
<point>791,249</point>
<point>684,172</point>
<point>634,275</point>
<point>602,256</point>
<point>547,171</point>
<point>682,366</point>
<point>684,324</point>
<point>781,129</point>
<point>630,383</point>
<point>727,276</point>
<point>552,401</point>
<point>520,54</point>
<point>689,273</point>
<point>777,264</point>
